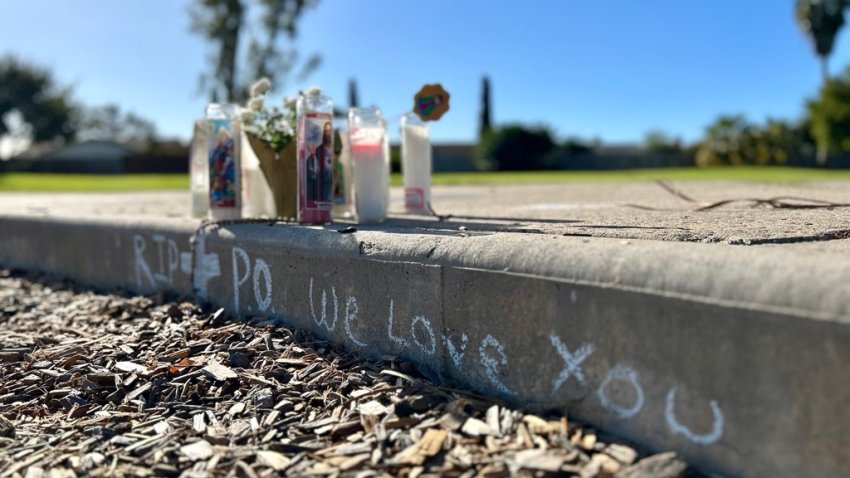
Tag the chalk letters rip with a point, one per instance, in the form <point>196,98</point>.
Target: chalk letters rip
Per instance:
<point>572,361</point>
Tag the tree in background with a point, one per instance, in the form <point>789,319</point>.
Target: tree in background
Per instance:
<point>486,125</point>
<point>821,20</point>
<point>514,148</point>
<point>33,108</point>
<point>352,94</point>
<point>778,141</point>
<point>223,24</point>
<point>732,140</point>
<point>657,141</point>
<point>109,123</point>
<point>829,116</point>
<point>727,142</point>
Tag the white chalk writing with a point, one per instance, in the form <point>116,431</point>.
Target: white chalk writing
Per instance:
<point>351,310</point>
<point>166,261</point>
<point>626,374</point>
<point>620,392</point>
<point>261,269</point>
<point>141,263</point>
<point>168,258</point>
<point>237,280</point>
<point>398,340</point>
<point>491,364</point>
<point>454,353</point>
<point>677,428</point>
<point>572,361</point>
<point>323,318</point>
<point>186,262</point>
<point>207,267</point>
<point>426,324</point>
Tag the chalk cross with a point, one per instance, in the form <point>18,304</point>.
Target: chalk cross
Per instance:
<point>572,361</point>
<point>207,266</point>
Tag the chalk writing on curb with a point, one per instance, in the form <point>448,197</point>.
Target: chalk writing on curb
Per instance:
<point>167,260</point>
<point>141,263</point>
<point>620,392</point>
<point>261,269</point>
<point>677,428</point>
<point>262,295</point>
<point>351,310</point>
<point>456,355</point>
<point>491,364</point>
<point>238,281</point>
<point>572,361</point>
<point>207,267</point>
<point>186,262</point>
<point>323,318</point>
<point>398,340</point>
<point>432,339</point>
<point>626,374</point>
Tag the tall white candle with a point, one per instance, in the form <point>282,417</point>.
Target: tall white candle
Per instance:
<point>416,164</point>
<point>200,170</point>
<point>371,180</point>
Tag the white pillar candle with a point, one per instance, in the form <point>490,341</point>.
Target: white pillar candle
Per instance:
<point>370,165</point>
<point>415,163</point>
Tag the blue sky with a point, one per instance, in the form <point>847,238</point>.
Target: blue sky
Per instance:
<point>603,69</point>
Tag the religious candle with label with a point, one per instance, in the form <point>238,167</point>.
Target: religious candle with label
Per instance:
<point>342,174</point>
<point>315,156</point>
<point>223,158</point>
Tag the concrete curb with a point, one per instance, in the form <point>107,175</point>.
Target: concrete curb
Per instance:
<point>733,356</point>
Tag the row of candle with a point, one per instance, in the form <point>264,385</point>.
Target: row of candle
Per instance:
<point>329,186</point>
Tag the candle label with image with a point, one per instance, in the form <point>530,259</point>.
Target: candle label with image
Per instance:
<point>315,166</point>
<point>223,165</point>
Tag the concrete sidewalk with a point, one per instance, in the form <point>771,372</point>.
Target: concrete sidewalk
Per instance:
<point>660,326</point>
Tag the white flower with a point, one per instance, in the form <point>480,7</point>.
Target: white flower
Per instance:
<point>261,86</point>
<point>247,116</point>
<point>312,91</point>
<point>290,102</point>
<point>255,103</point>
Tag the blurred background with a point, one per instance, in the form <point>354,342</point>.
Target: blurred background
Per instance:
<point>98,86</point>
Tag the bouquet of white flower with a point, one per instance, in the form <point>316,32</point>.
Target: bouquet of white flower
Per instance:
<point>271,134</point>
<point>273,126</point>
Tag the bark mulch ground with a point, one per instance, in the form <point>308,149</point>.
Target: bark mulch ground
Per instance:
<point>94,385</point>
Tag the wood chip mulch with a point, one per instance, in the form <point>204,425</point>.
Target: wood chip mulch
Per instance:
<point>107,385</point>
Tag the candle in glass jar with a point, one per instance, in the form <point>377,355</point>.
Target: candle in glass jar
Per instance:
<point>224,170</point>
<point>314,149</point>
<point>370,163</point>
<point>415,163</point>
<point>199,176</point>
<point>371,179</point>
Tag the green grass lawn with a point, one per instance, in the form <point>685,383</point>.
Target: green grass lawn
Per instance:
<point>757,174</point>
<point>91,182</point>
<point>131,182</point>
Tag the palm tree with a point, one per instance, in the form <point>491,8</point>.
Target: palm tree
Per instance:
<point>821,20</point>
